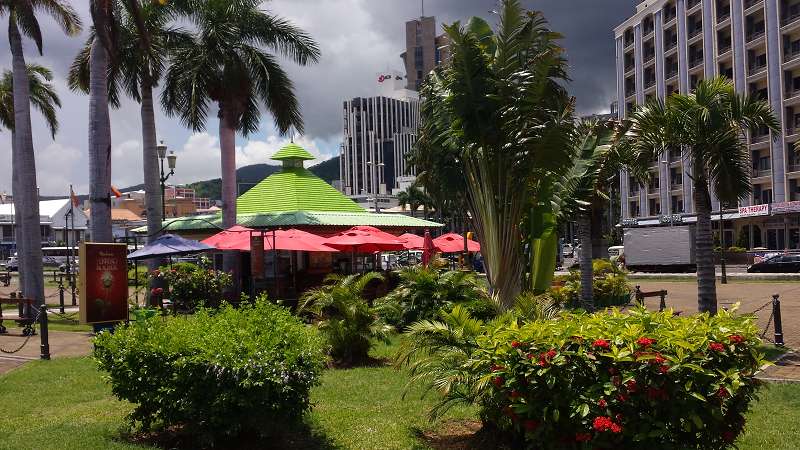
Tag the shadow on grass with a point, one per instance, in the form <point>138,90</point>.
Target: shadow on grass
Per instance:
<point>458,435</point>
<point>302,436</point>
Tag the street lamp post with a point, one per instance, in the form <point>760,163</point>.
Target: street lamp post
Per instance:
<point>724,278</point>
<point>171,160</point>
<point>668,187</point>
<point>374,170</point>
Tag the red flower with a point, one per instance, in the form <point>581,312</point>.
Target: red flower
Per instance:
<point>663,368</point>
<point>603,423</point>
<point>602,403</point>
<point>622,397</point>
<point>551,354</point>
<point>529,355</point>
<point>736,339</point>
<point>728,436</point>
<point>543,362</point>
<point>601,343</point>
<point>612,371</point>
<point>531,425</point>
<point>616,380</point>
<point>583,437</point>
<point>514,394</point>
<point>645,342</point>
<point>657,393</point>
<point>631,385</point>
<point>659,359</point>
<point>723,393</point>
<point>496,368</point>
<point>515,344</point>
<point>615,428</point>
<point>497,381</point>
<point>157,291</point>
<point>716,346</point>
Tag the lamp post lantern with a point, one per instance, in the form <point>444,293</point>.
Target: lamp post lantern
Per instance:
<point>172,159</point>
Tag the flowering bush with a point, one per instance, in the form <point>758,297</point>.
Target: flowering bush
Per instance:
<point>634,380</point>
<point>215,373</point>
<point>191,285</point>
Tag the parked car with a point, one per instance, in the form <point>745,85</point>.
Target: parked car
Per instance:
<point>12,264</point>
<point>777,264</point>
<point>567,251</point>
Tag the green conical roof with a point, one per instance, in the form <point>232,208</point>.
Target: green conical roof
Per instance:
<point>294,189</point>
<point>292,151</point>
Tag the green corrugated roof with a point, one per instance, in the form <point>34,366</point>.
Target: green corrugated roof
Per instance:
<point>294,189</point>
<point>292,151</point>
<point>297,218</point>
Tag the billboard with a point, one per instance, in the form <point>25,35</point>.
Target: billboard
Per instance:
<point>103,282</point>
<point>257,255</point>
<point>754,210</point>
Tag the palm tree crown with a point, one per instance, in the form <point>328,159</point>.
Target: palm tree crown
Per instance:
<point>226,62</point>
<point>42,93</point>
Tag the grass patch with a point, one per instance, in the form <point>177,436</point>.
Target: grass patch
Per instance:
<point>68,403</point>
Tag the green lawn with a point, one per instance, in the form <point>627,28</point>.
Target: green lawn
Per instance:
<point>67,402</point>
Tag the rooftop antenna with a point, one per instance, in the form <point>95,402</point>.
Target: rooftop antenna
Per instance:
<point>422,8</point>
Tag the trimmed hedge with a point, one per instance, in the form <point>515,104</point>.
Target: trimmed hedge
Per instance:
<point>215,373</point>
<point>634,380</point>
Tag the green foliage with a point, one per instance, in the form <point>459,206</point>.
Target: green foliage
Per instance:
<point>216,373</point>
<point>609,286</point>
<point>192,285</point>
<point>635,380</point>
<point>345,319</point>
<point>423,291</point>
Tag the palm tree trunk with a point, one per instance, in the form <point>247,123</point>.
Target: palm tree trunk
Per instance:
<point>152,181</point>
<point>99,146</point>
<point>27,203</point>
<point>584,222</point>
<point>704,256</point>
<point>15,194</point>
<point>227,142</point>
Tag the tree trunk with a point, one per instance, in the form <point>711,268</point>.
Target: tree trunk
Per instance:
<point>152,180</point>
<point>227,142</point>
<point>584,222</point>
<point>99,146</point>
<point>15,194</point>
<point>704,251</point>
<point>27,201</point>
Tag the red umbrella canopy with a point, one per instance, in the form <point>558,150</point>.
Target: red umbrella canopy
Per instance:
<point>365,239</point>
<point>412,241</point>
<point>222,239</point>
<point>454,243</point>
<point>284,240</point>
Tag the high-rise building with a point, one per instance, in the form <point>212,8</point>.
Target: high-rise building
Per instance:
<point>668,46</point>
<point>424,50</point>
<point>378,133</point>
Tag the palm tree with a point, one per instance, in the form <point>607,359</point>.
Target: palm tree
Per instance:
<point>143,42</point>
<point>226,62</point>
<point>23,20</point>
<point>414,197</point>
<point>601,152</point>
<point>45,99</point>
<point>99,122</point>
<point>501,106</point>
<point>711,124</point>
<point>345,318</point>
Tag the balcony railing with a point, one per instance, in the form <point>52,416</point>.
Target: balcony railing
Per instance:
<point>795,167</point>
<point>695,62</point>
<point>649,83</point>
<point>789,93</point>
<point>753,35</point>
<point>724,47</point>
<point>724,15</point>
<point>753,69</point>
<point>669,44</point>
<point>691,4</point>
<point>649,56</point>
<point>757,173</point>
<point>750,3</point>
<point>653,189</point>
<point>671,73</point>
<point>630,92</point>
<point>793,15</point>
<point>694,32</point>
<point>669,14</point>
<point>629,67</point>
<point>633,193</point>
<point>628,42</point>
<point>676,186</point>
<point>758,138</point>
<point>647,30</point>
<point>790,55</point>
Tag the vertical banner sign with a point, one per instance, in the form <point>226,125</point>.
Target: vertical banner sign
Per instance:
<point>103,282</point>
<point>257,255</point>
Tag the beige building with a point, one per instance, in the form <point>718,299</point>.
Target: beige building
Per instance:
<point>424,50</point>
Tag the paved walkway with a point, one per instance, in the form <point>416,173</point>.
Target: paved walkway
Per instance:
<point>785,370</point>
<point>62,344</point>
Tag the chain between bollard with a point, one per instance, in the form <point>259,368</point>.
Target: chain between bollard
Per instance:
<point>27,338</point>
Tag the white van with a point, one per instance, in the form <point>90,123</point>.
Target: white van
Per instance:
<point>615,252</point>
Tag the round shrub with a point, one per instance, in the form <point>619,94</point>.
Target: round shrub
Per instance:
<point>635,380</point>
<point>214,374</point>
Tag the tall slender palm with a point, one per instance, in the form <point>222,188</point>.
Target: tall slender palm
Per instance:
<point>103,18</point>
<point>143,42</point>
<point>45,99</point>
<point>711,123</point>
<point>601,151</point>
<point>500,103</point>
<point>23,21</point>
<point>227,62</point>
<point>414,197</point>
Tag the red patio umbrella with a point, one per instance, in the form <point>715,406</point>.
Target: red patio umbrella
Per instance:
<point>412,241</point>
<point>454,243</point>
<point>225,237</point>
<point>365,239</point>
<point>290,240</point>
<point>427,249</point>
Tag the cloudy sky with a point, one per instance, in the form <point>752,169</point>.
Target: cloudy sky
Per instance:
<point>358,38</point>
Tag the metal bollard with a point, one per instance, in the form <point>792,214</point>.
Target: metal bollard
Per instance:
<point>72,288</point>
<point>45,347</point>
<point>662,305</point>
<point>61,296</point>
<point>776,317</point>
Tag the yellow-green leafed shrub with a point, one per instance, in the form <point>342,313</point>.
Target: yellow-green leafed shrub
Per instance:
<point>613,380</point>
<point>215,374</point>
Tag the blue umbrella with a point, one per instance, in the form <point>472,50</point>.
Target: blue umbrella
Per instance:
<point>169,245</point>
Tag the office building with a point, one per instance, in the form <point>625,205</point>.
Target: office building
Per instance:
<point>424,50</point>
<point>668,46</point>
<point>378,133</point>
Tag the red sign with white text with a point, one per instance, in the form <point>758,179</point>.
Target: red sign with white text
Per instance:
<point>103,282</point>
